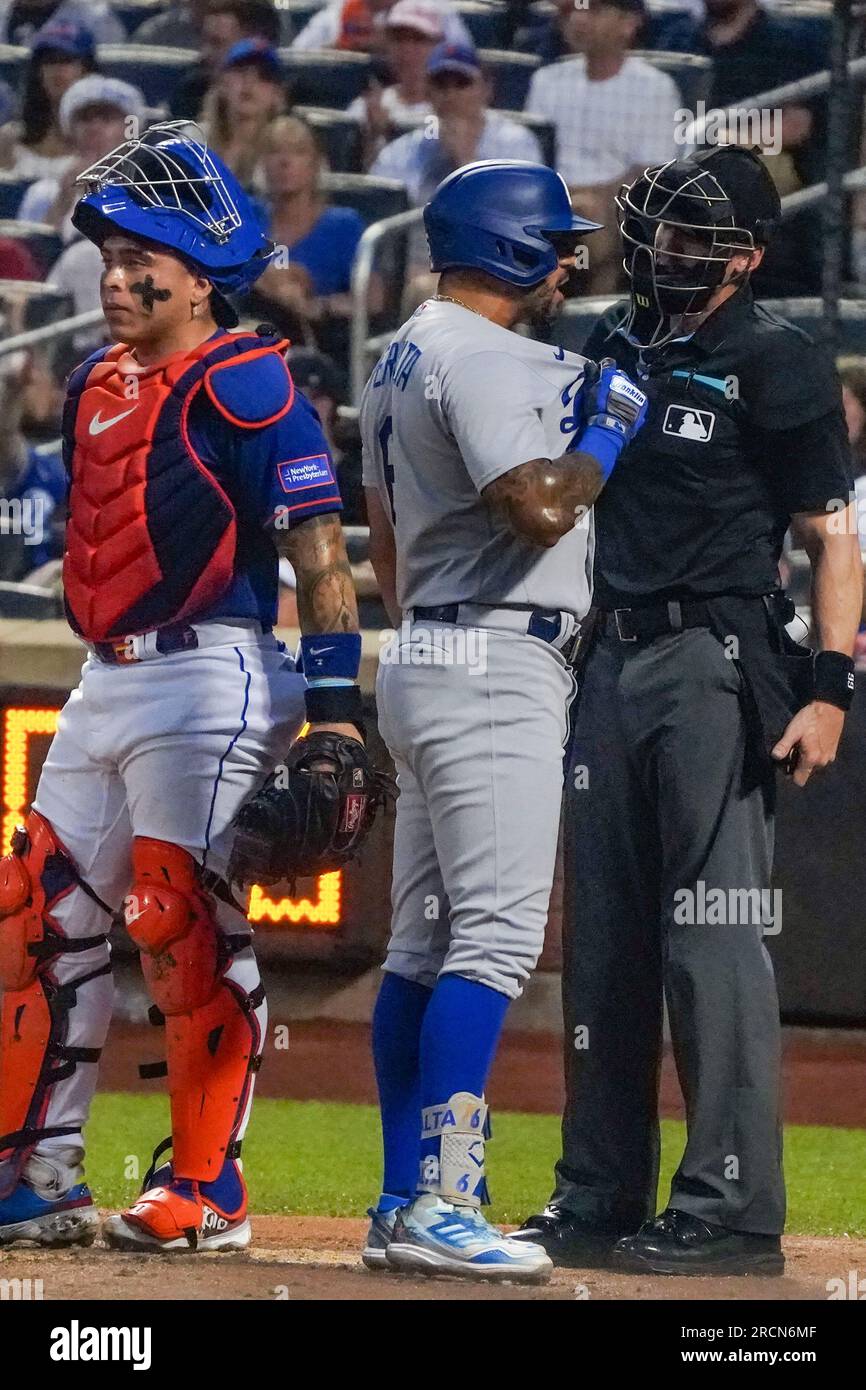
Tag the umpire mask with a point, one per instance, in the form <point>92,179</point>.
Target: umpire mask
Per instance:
<point>681,223</point>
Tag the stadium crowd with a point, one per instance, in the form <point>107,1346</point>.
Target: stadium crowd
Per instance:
<point>335,115</point>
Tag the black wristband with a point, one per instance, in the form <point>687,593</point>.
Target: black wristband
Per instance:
<point>334,704</point>
<point>834,679</point>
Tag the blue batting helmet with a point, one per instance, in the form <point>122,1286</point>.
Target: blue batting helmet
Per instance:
<point>169,188</point>
<point>499,215</point>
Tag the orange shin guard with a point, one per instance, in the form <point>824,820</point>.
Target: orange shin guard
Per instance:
<point>212,1038</point>
<point>34,1010</point>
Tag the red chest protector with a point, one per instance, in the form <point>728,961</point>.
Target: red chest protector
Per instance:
<point>151,534</point>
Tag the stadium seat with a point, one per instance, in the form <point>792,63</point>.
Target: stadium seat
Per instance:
<point>13,61</point>
<point>510,74</point>
<point>326,77</point>
<point>155,71</point>
<point>670,26</point>
<point>28,601</point>
<point>41,239</point>
<point>372,198</point>
<point>578,318</point>
<point>691,71</point>
<point>486,20</point>
<point>545,132</point>
<point>812,21</point>
<point>12,191</point>
<point>132,13</point>
<point>339,135</point>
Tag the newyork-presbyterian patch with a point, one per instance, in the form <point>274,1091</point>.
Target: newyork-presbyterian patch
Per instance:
<point>312,471</point>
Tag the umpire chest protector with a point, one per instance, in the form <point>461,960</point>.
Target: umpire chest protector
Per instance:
<point>151,534</point>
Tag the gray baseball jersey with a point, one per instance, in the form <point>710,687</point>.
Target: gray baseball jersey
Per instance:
<point>454,402</point>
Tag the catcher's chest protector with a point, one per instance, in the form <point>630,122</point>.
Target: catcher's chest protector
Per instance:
<point>151,535</point>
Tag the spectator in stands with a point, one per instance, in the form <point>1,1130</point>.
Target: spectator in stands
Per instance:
<point>16,261</point>
<point>20,20</point>
<point>413,28</point>
<point>465,128</point>
<point>613,114</point>
<point>61,53</point>
<point>753,51</point>
<point>360,25</point>
<point>33,477</point>
<point>222,24</point>
<point>93,115</point>
<point>311,275</point>
<point>178,26</point>
<point>249,92</point>
<point>549,38</point>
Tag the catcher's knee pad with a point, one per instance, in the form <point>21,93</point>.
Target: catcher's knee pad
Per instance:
<point>170,918</point>
<point>213,1039</point>
<point>34,1008</point>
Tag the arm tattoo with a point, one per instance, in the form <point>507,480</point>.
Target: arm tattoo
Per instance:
<point>316,550</point>
<point>543,499</point>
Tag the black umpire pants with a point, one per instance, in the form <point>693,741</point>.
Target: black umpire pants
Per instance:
<point>658,814</point>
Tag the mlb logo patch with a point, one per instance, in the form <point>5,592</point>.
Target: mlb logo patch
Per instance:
<point>688,423</point>
<point>312,471</point>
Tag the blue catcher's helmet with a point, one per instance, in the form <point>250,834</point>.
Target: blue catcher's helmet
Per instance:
<point>169,188</point>
<point>499,215</point>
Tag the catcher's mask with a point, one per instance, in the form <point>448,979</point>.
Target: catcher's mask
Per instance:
<point>169,189</point>
<point>681,223</point>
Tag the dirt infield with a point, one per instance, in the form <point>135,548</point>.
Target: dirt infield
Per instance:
<point>303,1259</point>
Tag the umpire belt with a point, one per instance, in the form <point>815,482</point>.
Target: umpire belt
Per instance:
<point>557,627</point>
<point>643,624</point>
<point>179,637</point>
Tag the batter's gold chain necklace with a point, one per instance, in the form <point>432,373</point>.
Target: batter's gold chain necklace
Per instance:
<point>452,299</point>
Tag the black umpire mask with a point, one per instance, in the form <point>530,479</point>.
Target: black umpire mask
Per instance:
<point>681,223</point>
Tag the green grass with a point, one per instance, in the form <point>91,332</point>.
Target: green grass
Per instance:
<point>323,1159</point>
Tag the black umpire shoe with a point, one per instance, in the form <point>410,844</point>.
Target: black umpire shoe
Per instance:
<point>677,1243</point>
<point>572,1242</point>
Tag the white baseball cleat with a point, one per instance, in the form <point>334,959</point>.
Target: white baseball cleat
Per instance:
<point>434,1237</point>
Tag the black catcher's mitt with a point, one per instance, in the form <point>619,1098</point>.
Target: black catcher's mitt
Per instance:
<point>312,814</point>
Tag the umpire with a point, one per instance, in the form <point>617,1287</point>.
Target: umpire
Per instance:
<point>693,695</point>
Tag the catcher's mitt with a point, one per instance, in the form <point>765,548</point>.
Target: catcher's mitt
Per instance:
<point>312,814</point>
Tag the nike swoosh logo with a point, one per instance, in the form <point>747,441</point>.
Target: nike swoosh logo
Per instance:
<point>97,425</point>
<point>320,651</point>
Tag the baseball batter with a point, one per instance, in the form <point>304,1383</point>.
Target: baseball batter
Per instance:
<point>193,463</point>
<point>483,452</point>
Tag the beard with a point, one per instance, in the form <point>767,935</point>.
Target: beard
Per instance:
<point>541,307</point>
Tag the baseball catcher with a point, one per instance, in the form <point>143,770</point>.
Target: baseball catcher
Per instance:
<point>193,464</point>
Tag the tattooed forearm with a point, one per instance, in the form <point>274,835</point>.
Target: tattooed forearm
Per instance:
<point>326,594</point>
<point>543,499</point>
